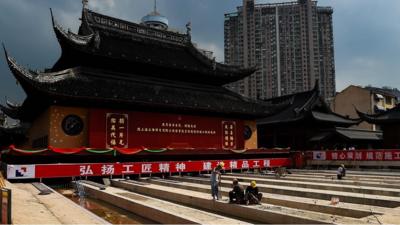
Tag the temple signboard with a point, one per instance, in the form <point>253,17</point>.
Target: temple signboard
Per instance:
<point>229,135</point>
<point>116,130</point>
<point>157,131</point>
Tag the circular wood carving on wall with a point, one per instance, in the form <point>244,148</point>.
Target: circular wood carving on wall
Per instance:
<point>72,125</point>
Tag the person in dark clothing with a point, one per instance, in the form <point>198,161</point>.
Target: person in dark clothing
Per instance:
<point>344,171</point>
<point>237,193</point>
<point>252,195</point>
<point>341,172</point>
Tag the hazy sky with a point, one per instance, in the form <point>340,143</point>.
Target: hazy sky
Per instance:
<point>367,33</point>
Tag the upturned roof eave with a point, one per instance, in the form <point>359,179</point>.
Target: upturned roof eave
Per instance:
<point>379,118</point>
<point>69,41</point>
<point>232,73</point>
<point>10,112</point>
<point>31,85</point>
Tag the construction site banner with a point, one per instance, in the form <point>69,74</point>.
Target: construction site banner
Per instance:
<point>358,155</point>
<point>126,168</point>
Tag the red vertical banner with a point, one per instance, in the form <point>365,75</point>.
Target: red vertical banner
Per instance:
<point>228,135</point>
<point>117,130</point>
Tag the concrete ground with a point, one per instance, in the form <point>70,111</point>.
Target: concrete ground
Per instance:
<point>28,207</point>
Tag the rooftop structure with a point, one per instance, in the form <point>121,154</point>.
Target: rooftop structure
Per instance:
<point>109,43</point>
<point>155,19</point>
<point>393,92</point>
<point>369,100</point>
<point>303,105</point>
<point>389,122</point>
<point>381,118</point>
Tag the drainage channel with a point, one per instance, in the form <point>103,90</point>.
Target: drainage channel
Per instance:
<point>108,212</point>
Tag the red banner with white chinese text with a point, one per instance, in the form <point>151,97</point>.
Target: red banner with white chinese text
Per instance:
<point>358,155</point>
<point>117,169</point>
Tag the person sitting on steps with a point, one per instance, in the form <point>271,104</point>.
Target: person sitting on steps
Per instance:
<point>341,172</point>
<point>237,193</point>
<point>252,195</point>
<point>280,172</point>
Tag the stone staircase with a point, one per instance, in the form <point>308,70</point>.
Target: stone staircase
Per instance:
<point>300,198</point>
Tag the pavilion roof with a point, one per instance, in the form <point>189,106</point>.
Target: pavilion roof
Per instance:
<point>118,45</point>
<point>386,117</point>
<point>348,134</point>
<point>303,106</point>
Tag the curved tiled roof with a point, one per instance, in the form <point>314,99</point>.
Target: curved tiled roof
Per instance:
<point>109,42</point>
<point>389,116</point>
<point>86,85</point>
<point>301,106</point>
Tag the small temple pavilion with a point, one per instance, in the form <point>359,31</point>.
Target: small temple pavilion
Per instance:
<point>131,90</point>
<point>307,122</point>
<point>389,122</point>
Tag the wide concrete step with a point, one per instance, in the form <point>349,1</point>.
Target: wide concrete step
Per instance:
<point>264,213</point>
<point>155,209</point>
<point>355,188</point>
<point>393,179</point>
<point>333,173</point>
<point>357,198</point>
<point>353,172</point>
<point>322,206</point>
<point>330,180</point>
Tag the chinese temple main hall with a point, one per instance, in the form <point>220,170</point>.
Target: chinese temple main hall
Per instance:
<point>127,92</point>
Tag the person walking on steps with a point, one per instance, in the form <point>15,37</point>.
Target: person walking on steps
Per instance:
<point>215,181</point>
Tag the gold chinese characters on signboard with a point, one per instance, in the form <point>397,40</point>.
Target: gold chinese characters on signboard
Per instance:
<point>229,135</point>
<point>117,130</point>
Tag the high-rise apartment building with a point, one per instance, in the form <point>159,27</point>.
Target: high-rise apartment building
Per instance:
<point>290,43</point>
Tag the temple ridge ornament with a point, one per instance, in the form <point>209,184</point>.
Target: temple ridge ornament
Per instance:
<point>189,29</point>
<point>214,64</point>
<point>97,40</point>
<point>85,3</point>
